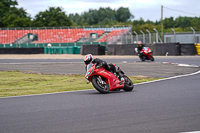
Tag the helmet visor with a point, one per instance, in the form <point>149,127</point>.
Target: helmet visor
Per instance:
<point>87,62</point>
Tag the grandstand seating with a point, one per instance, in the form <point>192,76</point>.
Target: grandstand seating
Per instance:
<point>58,35</point>
<point>116,33</point>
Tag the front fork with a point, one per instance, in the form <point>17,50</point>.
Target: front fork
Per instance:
<point>149,55</point>
<point>101,81</point>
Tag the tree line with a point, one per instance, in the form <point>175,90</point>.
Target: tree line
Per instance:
<point>103,16</point>
<point>11,16</point>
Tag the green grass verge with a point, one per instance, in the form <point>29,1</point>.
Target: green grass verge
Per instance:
<point>17,83</point>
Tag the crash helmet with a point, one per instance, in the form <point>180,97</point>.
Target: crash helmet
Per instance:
<point>139,44</point>
<point>87,59</point>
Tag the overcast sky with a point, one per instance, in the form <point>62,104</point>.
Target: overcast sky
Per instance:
<point>146,9</point>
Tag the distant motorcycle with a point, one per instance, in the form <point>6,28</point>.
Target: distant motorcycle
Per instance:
<point>145,54</point>
<point>105,81</point>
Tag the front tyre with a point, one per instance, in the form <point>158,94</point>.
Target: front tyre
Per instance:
<point>151,58</point>
<point>100,85</point>
<point>128,85</point>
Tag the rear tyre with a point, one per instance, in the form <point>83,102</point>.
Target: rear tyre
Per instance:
<point>100,85</point>
<point>142,58</point>
<point>128,85</point>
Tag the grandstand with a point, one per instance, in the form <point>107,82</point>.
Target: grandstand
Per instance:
<point>67,35</point>
<point>114,34</point>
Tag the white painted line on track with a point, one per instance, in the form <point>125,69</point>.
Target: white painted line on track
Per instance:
<point>187,65</point>
<point>191,132</point>
<point>42,63</point>
<point>179,76</point>
<point>46,94</point>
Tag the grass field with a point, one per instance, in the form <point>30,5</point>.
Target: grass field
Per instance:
<point>17,83</point>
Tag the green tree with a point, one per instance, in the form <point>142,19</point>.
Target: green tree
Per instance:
<point>10,16</point>
<point>17,18</point>
<point>168,22</point>
<point>195,23</point>
<point>5,6</point>
<point>52,17</point>
<point>123,14</point>
<point>138,22</point>
<point>102,16</point>
<point>182,22</point>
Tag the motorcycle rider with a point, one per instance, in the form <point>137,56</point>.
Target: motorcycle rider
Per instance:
<point>139,48</point>
<point>109,67</point>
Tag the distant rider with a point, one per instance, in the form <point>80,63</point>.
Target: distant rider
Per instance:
<point>139,48</point>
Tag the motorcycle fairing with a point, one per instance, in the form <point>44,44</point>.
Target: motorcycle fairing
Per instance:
<point>113,81</point>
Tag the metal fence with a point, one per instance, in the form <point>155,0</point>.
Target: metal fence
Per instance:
<point>130,39</point>
<point>155,38</point>
<point>182,38</point>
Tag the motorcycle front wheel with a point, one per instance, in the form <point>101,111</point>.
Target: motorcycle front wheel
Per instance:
<point>152,59</point>
<point>100,85</point>
<point>128,85</point>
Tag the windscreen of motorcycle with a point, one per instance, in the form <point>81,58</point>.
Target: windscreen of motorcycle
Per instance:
<point>89,66</point>
<point>145,48</point>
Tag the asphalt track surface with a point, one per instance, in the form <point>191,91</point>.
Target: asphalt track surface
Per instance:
<point>163,66</point>
<point>164,106</point>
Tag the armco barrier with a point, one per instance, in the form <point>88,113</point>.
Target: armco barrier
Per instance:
<point>21,50</point>
<point>92,49</point>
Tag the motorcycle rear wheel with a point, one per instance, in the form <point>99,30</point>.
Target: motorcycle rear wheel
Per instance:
<point>142,58</point>
<point>99,85</point>
<point>128,85</point>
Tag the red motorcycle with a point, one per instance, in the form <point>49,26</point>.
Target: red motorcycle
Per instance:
<point>105,81</point>
<point>145,54</point>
